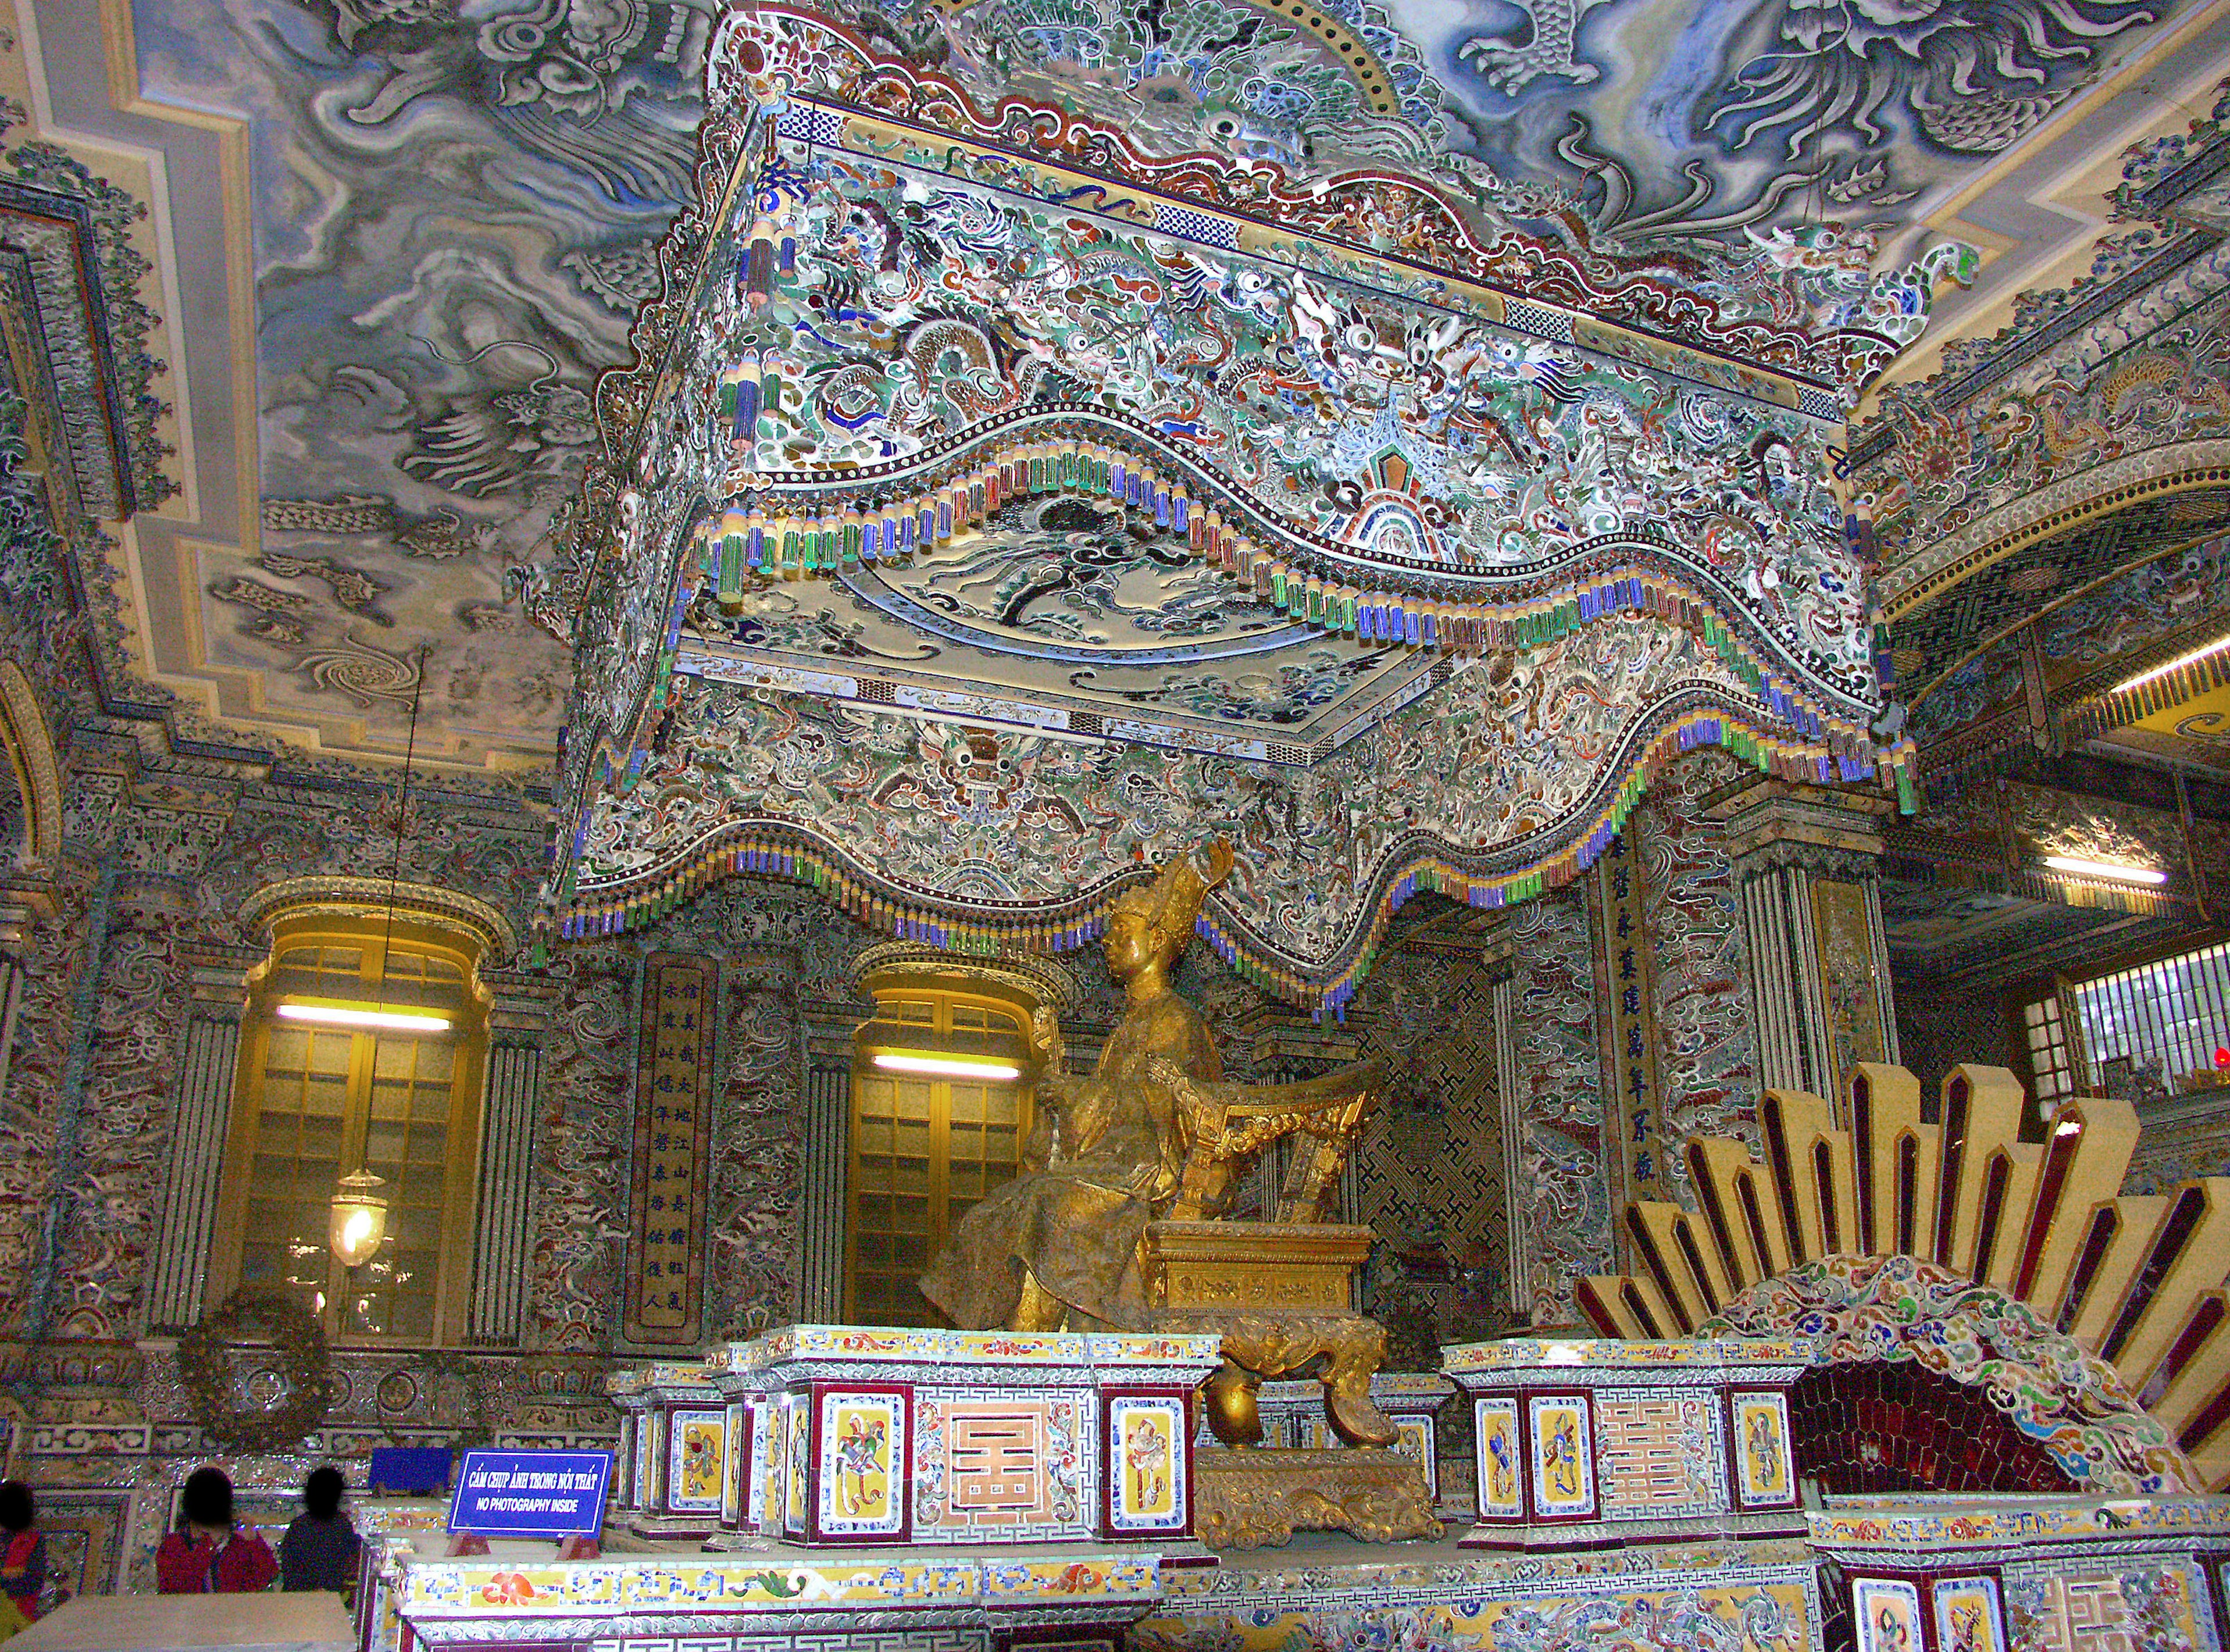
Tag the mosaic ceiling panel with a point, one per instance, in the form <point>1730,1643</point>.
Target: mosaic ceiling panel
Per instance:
<point>2195,735</point>
<point>453,217</point>
<point>2100,392</point>
<point>1668,118</point>
<point>1067,603</point>
<point>1976,934</point>
<point>2057,626</point>
<point>454,213</point>
<point>2067,585</point>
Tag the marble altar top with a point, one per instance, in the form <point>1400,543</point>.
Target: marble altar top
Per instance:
<point>266,1623</point>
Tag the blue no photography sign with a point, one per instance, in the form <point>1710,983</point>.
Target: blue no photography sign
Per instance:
<point>532,1494</point>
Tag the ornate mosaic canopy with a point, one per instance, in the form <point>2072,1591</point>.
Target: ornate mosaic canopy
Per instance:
<point>381,250</point>
<point>1005,499</point>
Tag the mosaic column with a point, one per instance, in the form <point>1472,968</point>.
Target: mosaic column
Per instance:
<point>501,1260</point>
<point>827,1168</point>
<point>24,900</point>
<point>1806,867</point>
<point>1508,1084</point>
<point>16,920</point>
<point>202,1118</point>
<point>762,1124</point>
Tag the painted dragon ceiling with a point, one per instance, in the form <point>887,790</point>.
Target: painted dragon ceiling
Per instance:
<point>406,236</point>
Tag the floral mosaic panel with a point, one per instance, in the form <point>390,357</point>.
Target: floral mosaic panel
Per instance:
<point>2147,1607</point>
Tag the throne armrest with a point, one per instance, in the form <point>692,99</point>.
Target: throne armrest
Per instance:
<point>1224,1124</point>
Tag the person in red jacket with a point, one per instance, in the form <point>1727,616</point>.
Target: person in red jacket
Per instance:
<point>23,1548</point>
<point>207,1555</point>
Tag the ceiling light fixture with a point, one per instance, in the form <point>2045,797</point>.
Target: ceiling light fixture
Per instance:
<point>357,1224</point>
<point>356,1220</point>
<point>347,1015</point>
<point>945,1066</point>
<point>2177,664</point>
<point>2105,870</point>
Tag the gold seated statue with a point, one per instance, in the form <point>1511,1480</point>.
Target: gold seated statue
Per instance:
<point>1116,1216</point>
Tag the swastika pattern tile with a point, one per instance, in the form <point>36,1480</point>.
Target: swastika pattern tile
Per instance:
<point>1429,1175</point>
<point>1654,1449</point>
<point>1014,1467</point>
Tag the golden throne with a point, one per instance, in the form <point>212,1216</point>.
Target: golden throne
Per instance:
<point>1278,1291</point>
<point>1117,1218</point>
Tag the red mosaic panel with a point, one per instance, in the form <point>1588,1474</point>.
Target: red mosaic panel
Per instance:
<point>1894,1427</point>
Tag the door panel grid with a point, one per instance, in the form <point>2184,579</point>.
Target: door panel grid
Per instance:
<point>924,1150</point>
<point>331,1098</point>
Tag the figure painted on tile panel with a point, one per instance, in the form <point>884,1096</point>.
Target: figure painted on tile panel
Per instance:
<point>1147,1456</point>
<point>859,1468</point>
<point>1502,1466</point>
<point>1764,1452</point>
<point>1562,1457</point>
<point>1892,1631</point>
<point>1966,1633</point>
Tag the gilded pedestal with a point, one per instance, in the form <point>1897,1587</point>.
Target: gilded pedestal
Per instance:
<point>1276,1292</point>
<point>1249,1498</point>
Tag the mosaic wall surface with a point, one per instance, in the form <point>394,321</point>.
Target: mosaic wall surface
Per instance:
<point>1938,1026</point>
<point>1567,1196</point>
<point>88,1144</point>
<point>581,1171</point>
<point>1430,1173</point>
<point>1707,1052</point>
<point>38,1082</point>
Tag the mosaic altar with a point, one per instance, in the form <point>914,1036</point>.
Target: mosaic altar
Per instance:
<point>832,1437</point>
<point>1584,1444</point>
<point>889,1601</point>
<point>2051,1575</point>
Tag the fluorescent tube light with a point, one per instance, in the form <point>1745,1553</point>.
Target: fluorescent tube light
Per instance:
<point>945,1066</point>
<point>2177,664</point>
<point>341,1015</point>
<point>2103,870</point>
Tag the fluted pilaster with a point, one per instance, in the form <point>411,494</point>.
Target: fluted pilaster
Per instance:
<point>201,1121</point>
